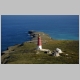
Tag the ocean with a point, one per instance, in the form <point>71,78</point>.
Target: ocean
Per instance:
<point>14,28</point>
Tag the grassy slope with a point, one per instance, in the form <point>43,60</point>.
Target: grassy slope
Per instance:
<point>26,54</point>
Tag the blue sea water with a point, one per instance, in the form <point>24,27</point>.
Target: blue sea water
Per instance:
<point>14,28</point>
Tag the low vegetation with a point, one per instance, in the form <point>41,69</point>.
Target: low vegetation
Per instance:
<point>26,53</point>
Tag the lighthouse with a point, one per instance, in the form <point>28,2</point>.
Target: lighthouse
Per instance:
<point>39,43</point>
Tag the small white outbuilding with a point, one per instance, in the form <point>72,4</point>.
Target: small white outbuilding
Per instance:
<point>59,50</point>
<point>56,54</point>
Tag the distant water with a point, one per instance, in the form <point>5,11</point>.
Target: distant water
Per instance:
<point>14,28</point>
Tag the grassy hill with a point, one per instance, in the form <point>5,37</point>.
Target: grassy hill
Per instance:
<point>26,53</point>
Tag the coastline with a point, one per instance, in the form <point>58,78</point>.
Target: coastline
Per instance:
<point>28,48</point>
<point>33,34</point>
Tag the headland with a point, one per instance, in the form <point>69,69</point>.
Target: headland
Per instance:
<point>25,53</point>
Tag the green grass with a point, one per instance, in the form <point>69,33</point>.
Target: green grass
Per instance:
<point>26,54</point>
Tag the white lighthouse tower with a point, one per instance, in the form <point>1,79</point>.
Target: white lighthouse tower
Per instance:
<point>39,43</point>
